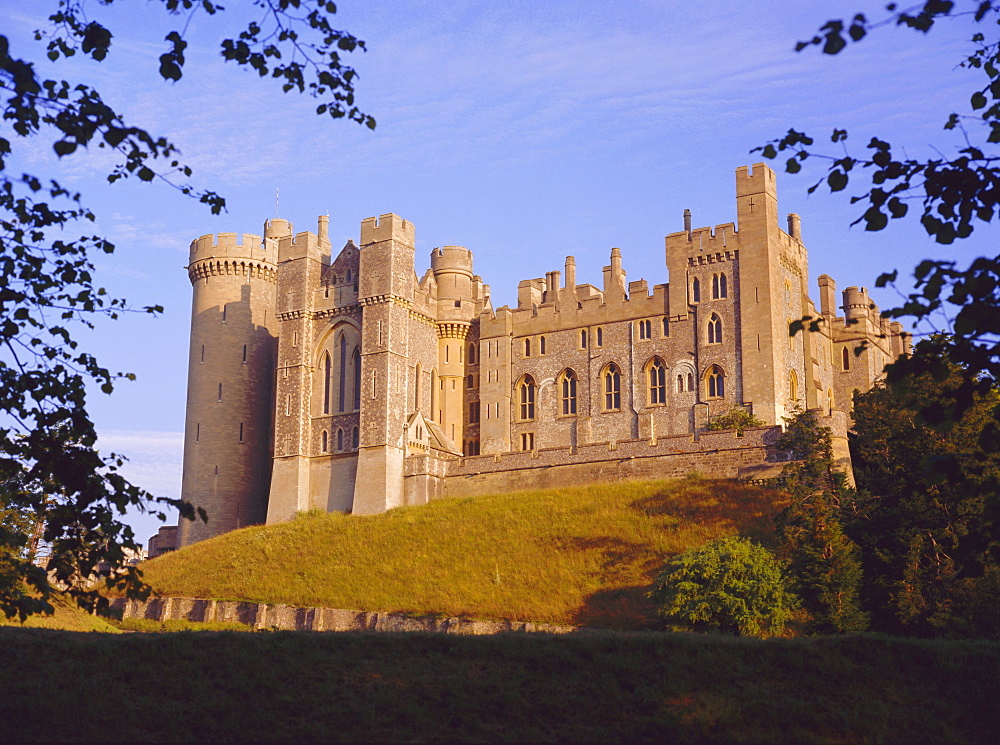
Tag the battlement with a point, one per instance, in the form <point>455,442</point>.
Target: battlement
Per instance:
<point>230,245</point>
<point>451,259</point>
<point>390,227</point>
<point>756,179</point>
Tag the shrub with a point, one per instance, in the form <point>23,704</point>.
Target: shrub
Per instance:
<point>736,418</point>
<point>732,585</point>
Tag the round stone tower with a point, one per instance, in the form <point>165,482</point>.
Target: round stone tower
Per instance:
<point>452,267</point>
<point>227,439</point>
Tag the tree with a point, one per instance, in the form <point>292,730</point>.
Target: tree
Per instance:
<point>47,286</point>
<point>731,585</point>
<point>957,193</point>
<point>823,563</point>
<point>929,534</point>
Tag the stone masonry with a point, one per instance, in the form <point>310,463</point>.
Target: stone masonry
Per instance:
<point>345,382</point>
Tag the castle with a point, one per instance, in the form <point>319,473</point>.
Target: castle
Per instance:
<point>347,383</point>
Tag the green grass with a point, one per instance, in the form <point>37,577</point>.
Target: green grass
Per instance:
<point>581,556</point>
<point>591,687</point>
<point>67,617</point>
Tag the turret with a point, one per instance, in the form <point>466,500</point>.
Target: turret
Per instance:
<point>227,438</point>
<point>855,304</point>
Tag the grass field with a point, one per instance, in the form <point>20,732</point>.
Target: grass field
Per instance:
<point>585,687</point>
<point>582,556</point>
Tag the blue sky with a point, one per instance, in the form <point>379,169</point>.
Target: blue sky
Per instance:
<point>525,131</point>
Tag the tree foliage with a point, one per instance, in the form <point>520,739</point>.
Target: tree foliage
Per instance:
<point>929,534</point>
<point>736,418</point>
<point>731,585</point>
<point>50,470</point>
<point>957,192</point>
<point>823,563</point>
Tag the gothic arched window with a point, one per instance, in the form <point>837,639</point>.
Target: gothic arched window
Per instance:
<point>716,382</point>
<point>714,330</point>
<point>657,373</point>
<point>567,389</point>
<point>695,291</point>
<point>342,349</point>
<point>526,398</point>
<point>612,388</point>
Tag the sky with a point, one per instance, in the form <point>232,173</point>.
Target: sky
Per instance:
<point>524,131</point>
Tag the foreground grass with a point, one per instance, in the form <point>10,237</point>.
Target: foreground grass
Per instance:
<point>579,556</point>
<point>602,686</point>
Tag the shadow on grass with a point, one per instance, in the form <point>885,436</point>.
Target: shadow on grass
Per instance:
<point>749,510</point>
<point>619,609</point>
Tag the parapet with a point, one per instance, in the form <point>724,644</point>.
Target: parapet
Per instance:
<point>451,259</point>
<point>229,245</point>
<point>385,228</point>
<point>755,180</point>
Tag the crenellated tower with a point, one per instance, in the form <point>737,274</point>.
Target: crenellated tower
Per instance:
<point>385,292</point>
<point>227,438</point>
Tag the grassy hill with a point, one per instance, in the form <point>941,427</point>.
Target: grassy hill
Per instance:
<point>580,556</point>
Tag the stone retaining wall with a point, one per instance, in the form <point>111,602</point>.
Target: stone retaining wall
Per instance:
<point>292,618</point>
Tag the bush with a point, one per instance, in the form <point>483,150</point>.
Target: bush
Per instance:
<point>731,585</point>
<point>736,418</point>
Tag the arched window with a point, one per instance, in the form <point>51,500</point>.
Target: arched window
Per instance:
<point>690,381</point>
<point>541,345</point>
<point>327,381</point>
<point>645,329</point>
<point>527,347</point>
<point>680,384</point>
<point>612,388</point>
<point>325,438</point>
<point>846,359</point>
<point>716,382</point>
<point>788,292</point>
<point>583,339</point>
<point>526,397</point>
<point>469,381</point>
<point>472,354</point>
<point>666,326</point>
<point>600,336</point>
<point>657,373</point>
<point>567,389</point>
<point>340,440</point>
<point>349,275</point>
<point>829,401</point>
<point>793,386</point>
<point>719,289</point>
<point>356,361</point>
<point>342,349</point>
<point>714,330</point>
<point>354,438</point>
<point>695,291</point>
